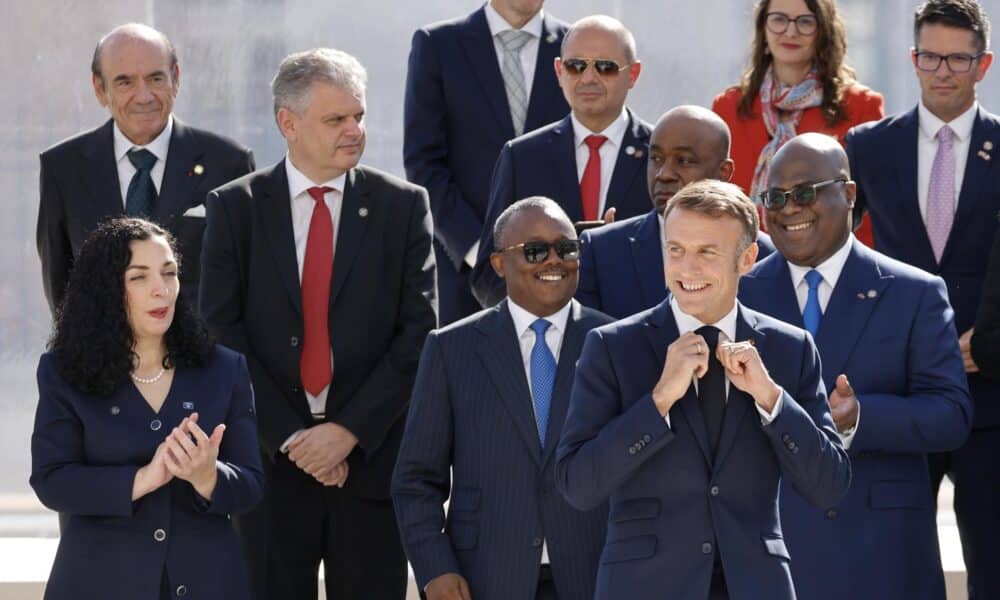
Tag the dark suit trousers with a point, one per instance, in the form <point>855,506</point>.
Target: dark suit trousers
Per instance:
<point>973,468</point>
<point>356,539</point>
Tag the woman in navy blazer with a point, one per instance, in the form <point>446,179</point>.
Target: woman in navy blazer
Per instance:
<point>128,393</point>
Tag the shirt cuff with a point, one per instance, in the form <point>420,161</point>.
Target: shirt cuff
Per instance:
<point>766,418</point>
<point>284,447</point>
<point>470,256</point>
<point>847,437</point>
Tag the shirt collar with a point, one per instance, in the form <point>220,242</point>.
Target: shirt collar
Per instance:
<point>298,183</point>
<point>686,323</point>
<point>830,268</point>
<point>158,146</point>
<point>498,24</point>
<point>614,132</point>
<point>960,125</point>
<point>523,319</point>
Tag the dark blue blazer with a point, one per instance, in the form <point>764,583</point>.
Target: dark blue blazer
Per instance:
<point>472,414</point>
<point>672,507</point>
<point>456,119</point>
<point>883,157</point>
<point>621,266</point>
<point>889,328</point>
<point>85,451</point>
<point>543,163</point>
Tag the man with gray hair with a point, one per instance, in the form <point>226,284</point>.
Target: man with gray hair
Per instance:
<point>142,162</point>
<point>321,271</point>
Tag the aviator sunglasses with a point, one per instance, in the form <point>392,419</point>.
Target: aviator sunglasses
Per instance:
<point>536,251</point>
<point>801,195</point>
<point>605,67</point>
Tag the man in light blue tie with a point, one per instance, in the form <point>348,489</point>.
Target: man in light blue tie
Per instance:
<point>485,418</point>
<point>887,341</point>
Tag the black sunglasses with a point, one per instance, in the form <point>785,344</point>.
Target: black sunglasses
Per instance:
<point>605,67</point>
<point>536,251</point>
<point>802,195</point>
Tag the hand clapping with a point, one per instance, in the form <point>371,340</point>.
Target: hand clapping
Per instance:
<point>191,454</point>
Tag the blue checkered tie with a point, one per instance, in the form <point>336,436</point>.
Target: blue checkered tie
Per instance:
<point>811,314</point>
<point>543,377</point>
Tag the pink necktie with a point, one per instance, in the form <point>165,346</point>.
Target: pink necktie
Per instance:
<point>941,192</point>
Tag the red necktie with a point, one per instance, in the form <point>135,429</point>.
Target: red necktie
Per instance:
<point>317,271</point>
<point>590,183</point>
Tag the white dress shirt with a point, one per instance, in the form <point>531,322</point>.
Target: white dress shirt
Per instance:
<point>927,145</point>
<point>526,340</point>
<point>159,147</point>
<point>529,52</point>
<point>608,152</point>
<point>830,270</point>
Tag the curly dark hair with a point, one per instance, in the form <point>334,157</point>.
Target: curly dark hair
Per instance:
<point>92,337</point>
<point>831,51</point>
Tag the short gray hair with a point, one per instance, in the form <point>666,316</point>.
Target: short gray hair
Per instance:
<point>532,202</point>
<point>299,71</point>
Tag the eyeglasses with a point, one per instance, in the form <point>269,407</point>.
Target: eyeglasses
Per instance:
<point>605,67</point>
<point>536,251</point>
<point>777,23</point>
<point>957,63</point>
<point>801,195</point>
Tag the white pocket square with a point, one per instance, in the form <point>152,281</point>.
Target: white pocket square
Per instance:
<point>195,211</point>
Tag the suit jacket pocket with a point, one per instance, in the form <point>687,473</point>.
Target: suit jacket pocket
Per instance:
<point>899,494</point>
<point>463,532</point>
<point>636,548</point>
<point>638,508</point>
<point>775,546</point>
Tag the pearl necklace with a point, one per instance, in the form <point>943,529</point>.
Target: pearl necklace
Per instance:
<point>148,380</point>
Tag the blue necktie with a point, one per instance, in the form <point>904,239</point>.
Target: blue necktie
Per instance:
<point>140,199</point>
<point>811,314</point>
<point>543,377</point>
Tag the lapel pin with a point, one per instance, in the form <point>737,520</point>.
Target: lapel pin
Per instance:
<point>630,150</point>
<point>983,155</point>
<point>872,293</point>
<point>198,170</point>
<point>115,410</point>
<point>987,145</point>
<point>861,295</point>
<point>188,405</point>
<point>363,212</point>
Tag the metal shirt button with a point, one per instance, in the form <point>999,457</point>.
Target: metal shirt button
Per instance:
<point>159,535</point>
<point>155,425</point>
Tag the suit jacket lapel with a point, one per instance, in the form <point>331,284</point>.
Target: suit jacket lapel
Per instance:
<point>179,180</point>
<point>738,402</point>
<point>563,155</point>
<point>859,289</point>
<point>661,332</point>
<point>906,175</point>
<point>276,212</point>
<point>781,300</point>
<point>355,213</point>
<point>500,354</point>
<point>572,344</point>
<point>544,85</point>
<point>628,166</point>
<point>647,256</point>
<point>99,175</point>
<point>974,181</point>
<point>482,58</point>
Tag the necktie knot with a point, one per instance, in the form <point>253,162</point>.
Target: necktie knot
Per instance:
<point>513,40</point>
<point>945,135</point>
<point>317,192</point>
<point>813,278</point>
<point>594,142</point>
<point>711,335</point>
<point>540,326</point>
<point>141,159</point>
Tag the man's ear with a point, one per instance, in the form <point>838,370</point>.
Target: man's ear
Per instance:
<point>496,261</point>
<point>747,259</point>
<point>98,84</point>
<point>726,170</point>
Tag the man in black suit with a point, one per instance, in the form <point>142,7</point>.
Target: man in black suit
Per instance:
<point>473,83</point>
<point>591,161</point>
<point>321,271</point>
<point>142,162</point>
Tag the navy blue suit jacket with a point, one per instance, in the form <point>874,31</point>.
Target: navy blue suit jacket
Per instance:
<point>472,414</point>
<point>85,451</point>
<point>456,119</point>
<point>621,266</point>
<point>672,506</point>
<point>543,163</point>
<point>883,157</point>
<point>889,328</point>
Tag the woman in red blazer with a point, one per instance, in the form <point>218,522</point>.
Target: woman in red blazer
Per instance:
<point>797,82</point>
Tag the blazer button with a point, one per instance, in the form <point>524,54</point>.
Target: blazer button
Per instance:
<point>294,341</point>
<point>706,548</point>
<point>714,490</point>
<point>155,425</point>
<point>159,535</point>
<point>631,450</point>
<point>786,438</point>
<point>831,514</point>
<point>646,438</point>
<point>536,542</point>
<point>181,591</point>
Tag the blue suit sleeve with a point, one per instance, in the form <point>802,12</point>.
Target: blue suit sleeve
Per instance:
<point>593,458</point>
<point>426,150</point>
<point>422,478</point>
<point>588,293</point>
<point>60,476</point>
<point>805,441</point>
<point>860,202</point>
<point>936,413</point>
<point>487,286</point>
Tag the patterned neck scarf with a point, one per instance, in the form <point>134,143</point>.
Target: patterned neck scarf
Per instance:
<point>781,107</point>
